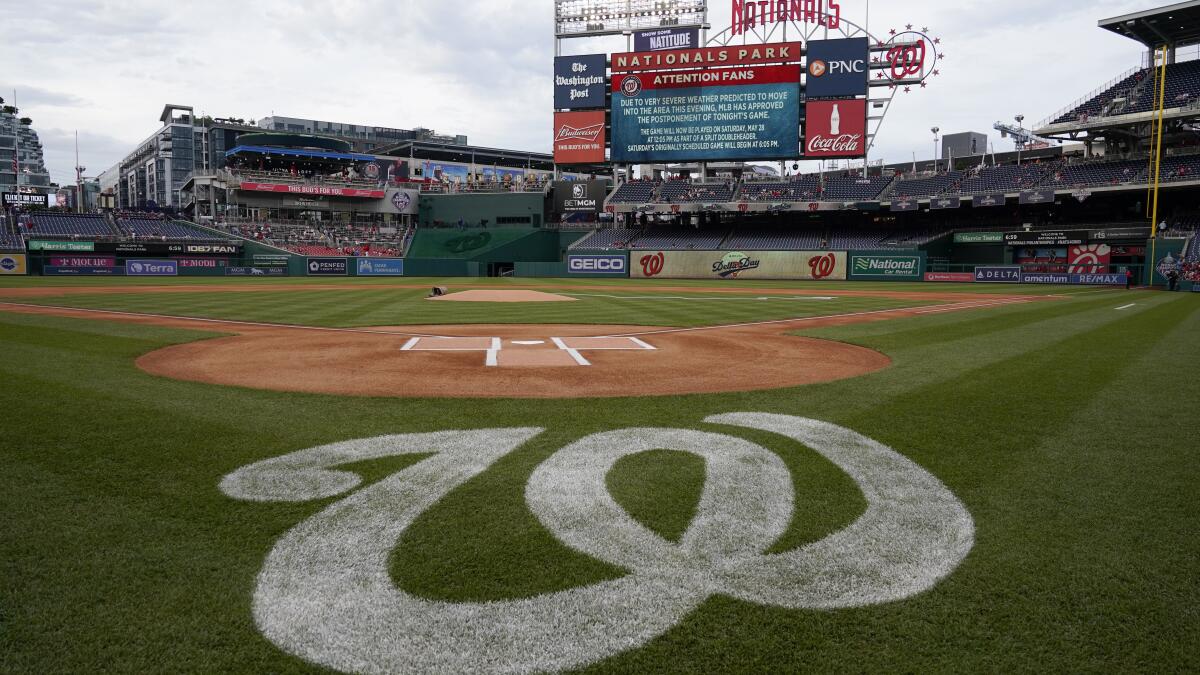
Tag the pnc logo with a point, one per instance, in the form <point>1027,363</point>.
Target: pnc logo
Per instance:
<point>817,68</point>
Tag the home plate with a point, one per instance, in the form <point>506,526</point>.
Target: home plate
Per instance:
<point>528,353</point>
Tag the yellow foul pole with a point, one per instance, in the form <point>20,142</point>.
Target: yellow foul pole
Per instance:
<point>1160,103</point>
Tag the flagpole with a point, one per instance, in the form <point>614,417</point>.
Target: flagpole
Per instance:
<point>1162,95</point>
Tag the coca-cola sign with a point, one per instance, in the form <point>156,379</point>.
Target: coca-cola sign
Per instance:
<point>835,128</point>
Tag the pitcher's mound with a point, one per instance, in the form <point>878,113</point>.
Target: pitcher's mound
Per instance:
<point>503,296</point>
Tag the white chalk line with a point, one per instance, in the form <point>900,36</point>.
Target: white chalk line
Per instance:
<point>786,298</point>
<point>230,322</point>
<point>774,322</point>
<point>1124,307</point>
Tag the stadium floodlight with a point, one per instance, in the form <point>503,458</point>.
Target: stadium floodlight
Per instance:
<point>581,18</point>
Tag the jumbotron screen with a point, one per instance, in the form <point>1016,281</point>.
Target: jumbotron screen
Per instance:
<point>745,108</point>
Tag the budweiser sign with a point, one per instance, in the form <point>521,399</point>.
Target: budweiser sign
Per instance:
<point>589,133</point>
<point>310,190</point>
<point>836,128</point>
<point>579,137</point>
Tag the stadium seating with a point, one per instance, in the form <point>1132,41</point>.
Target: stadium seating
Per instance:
<point>799,189</point>
<point>1097,173</point>
<point>775,240</point>
<point>928,185</point>
<point>1135,94</point>
<point>680,239</point>
<point>1007,178</point>
<point>71,225</point>
<point>150,228</point>
<point>684,191</point>
<point>609,238</point>
<point>854,188</point>
<point>11,242</point>
<point>635,192</point>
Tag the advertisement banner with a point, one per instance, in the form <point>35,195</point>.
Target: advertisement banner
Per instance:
<point>579,81</point>
<point>1047,238</point>
<point>37,245</point>
<point>584,196</point>
<point>665,39</point>
<point>887,267</point>
<point>51,270</point>
<point>1037,196</point>
<point>256,271</point>
<point>579,137</point>
<point>268,260</point>
<point>151,268</point>
<point>13,263</point>
<point>1089,259</point>
<point>709,57</point>
<point>979,237</point>
<point>955,277</point>
<point>837,68</point>
<point>1073,279</point>
<point>387,171</point>
<point>1126,233</point>
<point>319,267</point>
<point>905,204</point>
<point>82,261</point>
<point>726,114</point>
<point>835,129</point>
<point>380,267</point>
<point>939,203</point>
<point>311,190</point>
<point>203,263</point>
<point>1001,274</point>
<point>805,265</point>
<point>403,201</point>
<point>982,201</point>
<point>24,199</point>
<point>616,265</point>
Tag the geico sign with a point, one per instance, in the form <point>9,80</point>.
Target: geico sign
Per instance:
<point>608,264</point>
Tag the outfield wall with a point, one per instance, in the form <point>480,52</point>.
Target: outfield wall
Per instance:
<point>796,265</point>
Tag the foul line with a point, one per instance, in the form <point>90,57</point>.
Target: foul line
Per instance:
<point>787,298</point>
<point>231,322</point>
<point>947,308</point>
<point>573,352</point>
<point>1126,306</point>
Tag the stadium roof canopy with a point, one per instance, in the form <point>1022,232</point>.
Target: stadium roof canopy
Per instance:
<point>1176,25</point>
<point>297,152</point>
<point>448,152</point>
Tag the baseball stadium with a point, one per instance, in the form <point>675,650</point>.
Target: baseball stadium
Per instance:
<point>713,386</point>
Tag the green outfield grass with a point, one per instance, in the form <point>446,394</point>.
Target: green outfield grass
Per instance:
<point>1066,428</point>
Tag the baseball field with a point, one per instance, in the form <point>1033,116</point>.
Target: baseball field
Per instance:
<point>302,475</point>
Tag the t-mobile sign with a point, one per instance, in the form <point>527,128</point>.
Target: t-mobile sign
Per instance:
<point>835,128</point>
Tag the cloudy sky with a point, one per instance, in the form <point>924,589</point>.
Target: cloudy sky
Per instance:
<point>477,67</point>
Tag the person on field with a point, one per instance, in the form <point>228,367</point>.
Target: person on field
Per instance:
<point>1128,278</point>
<point>1173,279</point>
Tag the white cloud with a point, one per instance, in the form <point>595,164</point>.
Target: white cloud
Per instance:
<point>477,68</point>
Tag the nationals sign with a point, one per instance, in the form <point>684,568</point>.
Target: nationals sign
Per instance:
<point>311,190</point>
<point>835,128</point>
<point>579,137</point>
<point>805,265</point>
<point>708,57</point>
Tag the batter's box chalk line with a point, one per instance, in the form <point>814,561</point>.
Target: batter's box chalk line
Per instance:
<point>492,346</point>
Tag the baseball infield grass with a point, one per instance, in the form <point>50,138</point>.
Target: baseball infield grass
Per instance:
<point>1067,429</point>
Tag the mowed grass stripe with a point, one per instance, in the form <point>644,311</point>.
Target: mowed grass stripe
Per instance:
<point>393,307</point>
